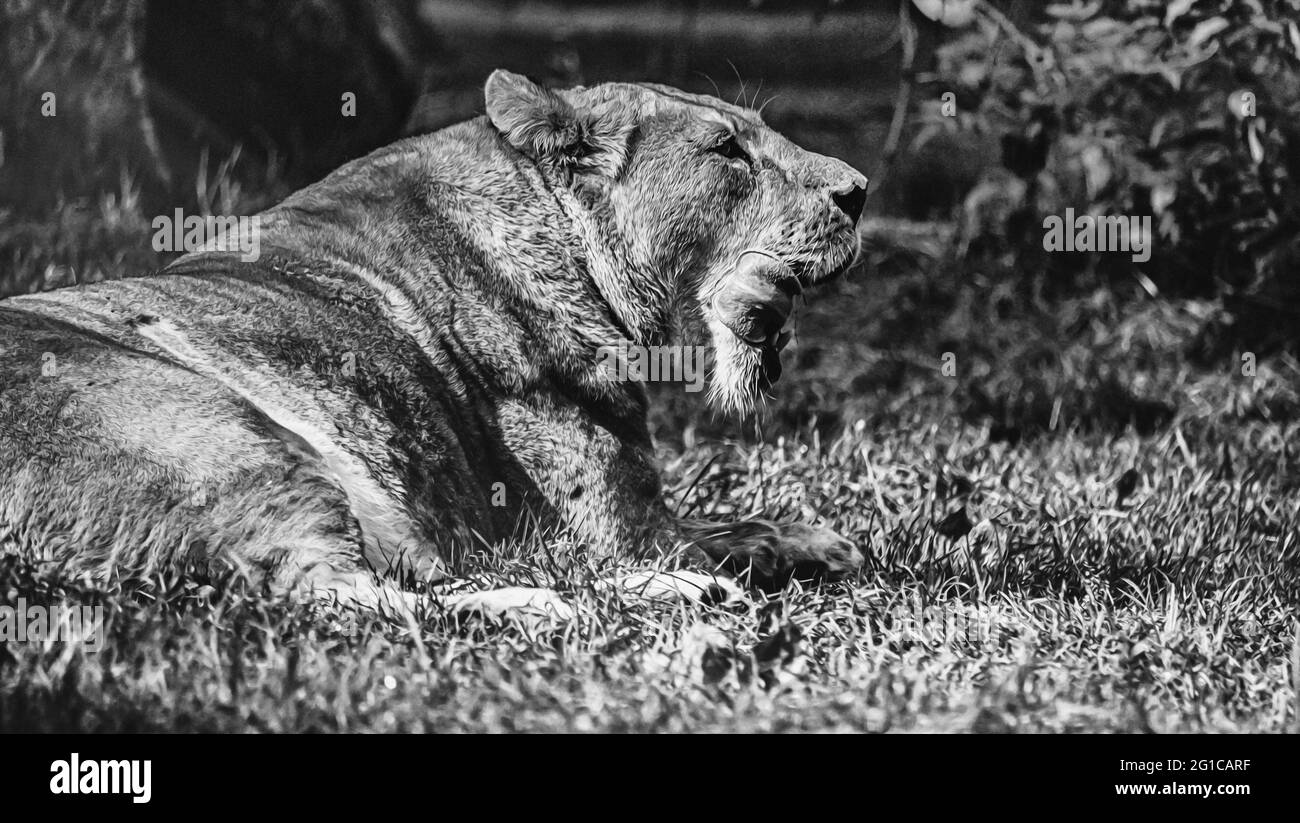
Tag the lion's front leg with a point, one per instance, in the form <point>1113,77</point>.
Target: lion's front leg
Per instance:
<point>605,489</point>
<point>768,554</point>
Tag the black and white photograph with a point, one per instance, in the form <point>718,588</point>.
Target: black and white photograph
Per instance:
<point>650,366</point>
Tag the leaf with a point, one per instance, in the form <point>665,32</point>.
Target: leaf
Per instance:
<point>1177,9</point>
<point>1205,30</point>
<point>1125,486</point>
<point>1073,11</point>
<point>782,644</point>
<point>951,13</point>
<point>1163,195</point>
<point>1253,141</point>
<point>1096,169</point>
<point>955,525</point>
<point>1226,471</point>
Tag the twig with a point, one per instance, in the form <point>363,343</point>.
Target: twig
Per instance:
<point>907,34</point>
<point>1033,50</point>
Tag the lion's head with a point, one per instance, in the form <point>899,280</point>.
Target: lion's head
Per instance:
<point>707,222</point>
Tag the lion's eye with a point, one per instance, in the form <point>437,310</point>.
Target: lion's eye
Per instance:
<point>730,149</point>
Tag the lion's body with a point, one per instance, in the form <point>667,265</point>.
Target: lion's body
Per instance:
<point>405,373</point>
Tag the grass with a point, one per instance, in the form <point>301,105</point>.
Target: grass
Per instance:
<point>1010,586</point>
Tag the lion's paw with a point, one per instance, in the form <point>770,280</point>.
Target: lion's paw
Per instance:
<point>818,550</point>
<point>769,554</point>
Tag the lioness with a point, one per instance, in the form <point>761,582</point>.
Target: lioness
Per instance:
<point>409,369</point>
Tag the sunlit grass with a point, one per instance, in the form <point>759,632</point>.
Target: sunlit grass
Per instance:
<point>1044,555</point>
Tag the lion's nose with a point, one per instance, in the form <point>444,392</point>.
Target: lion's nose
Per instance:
<point>850,200</point>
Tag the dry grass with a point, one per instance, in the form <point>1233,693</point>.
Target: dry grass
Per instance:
<point>1011,586</point>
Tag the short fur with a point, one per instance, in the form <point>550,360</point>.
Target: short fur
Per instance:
<point>423,325</point>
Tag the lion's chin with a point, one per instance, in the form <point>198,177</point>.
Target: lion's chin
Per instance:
<point>750,321</point>
<point>742,372</point>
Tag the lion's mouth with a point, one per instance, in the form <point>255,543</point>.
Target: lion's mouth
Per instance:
<point>757,305</point>
<point>765,326</point>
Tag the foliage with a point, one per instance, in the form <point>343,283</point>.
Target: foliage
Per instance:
<point>1133,107</point>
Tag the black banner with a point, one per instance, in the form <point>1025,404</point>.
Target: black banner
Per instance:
<point>149,774</point>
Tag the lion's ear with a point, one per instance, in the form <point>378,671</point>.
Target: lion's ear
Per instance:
<point>546,127</point>
<point>534,120</point>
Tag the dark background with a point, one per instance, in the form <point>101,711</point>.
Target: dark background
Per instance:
<point>156,98</point>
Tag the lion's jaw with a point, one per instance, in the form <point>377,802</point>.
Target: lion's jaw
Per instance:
<point>750,312</point>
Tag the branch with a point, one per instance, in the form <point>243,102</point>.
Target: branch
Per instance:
<point>907,32</point>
